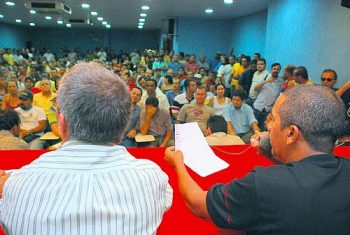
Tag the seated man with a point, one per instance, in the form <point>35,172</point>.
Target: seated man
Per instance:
<point>33,121</point>
<point>134,124</point>
<point>90,185</point>
<point>151,91</point>
<point>308,193</point>
<point>198,111</point>
<point>240,117</point>
<point>217,132</point>
<point>157,122</point>
<point>9,131</point>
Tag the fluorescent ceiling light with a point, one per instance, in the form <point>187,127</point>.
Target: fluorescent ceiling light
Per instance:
<point>140,27</point>
<point>85,5</point>
<point>68,25</point>
<point>18,21</point>
<point>32,24</point>
<point>104,22</point>
<point>1,16</point>
<point>59,21</point>
<point>209,11</point>
<point>142,20</point>
<point>11,4</point>
<point>100,18</point>
<point>141,23</point>
<point>143,15</point>
<point>48,17</point>
<point>32,12</point>
<point>94,13</point>
<point>145,8</point>
<point>108,26</point>
<point>228,1</point>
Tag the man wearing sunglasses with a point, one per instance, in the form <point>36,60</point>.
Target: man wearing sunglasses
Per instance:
<point>329,78</point>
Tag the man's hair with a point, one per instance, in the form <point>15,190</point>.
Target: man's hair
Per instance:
<point>8,119</point>
<point>302,71</point>
<point>202,88</point>
<point>151,100</point>
<point>240,93</point>
<point>275,64</point>
<point>258,54</point>
<point>290,68</point>
<point>217,124</point>
<point>261,59</point>
<point>188,82</point>
<point>330,71</point>
<point>318,113</point>
<point>95,104</point>
<point>253,61</point>
<point>152,80</point>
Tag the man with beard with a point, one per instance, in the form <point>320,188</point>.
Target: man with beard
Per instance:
<point>33,120</point>
<point>308,193</point>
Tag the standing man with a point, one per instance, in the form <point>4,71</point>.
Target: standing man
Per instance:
<point>301,75</point>
<point>308,193</point>
<point>329,78</point>
<point>260,75</point>
<point>90,185</point>
<point>268,91</point>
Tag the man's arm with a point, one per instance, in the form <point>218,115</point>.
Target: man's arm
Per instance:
<point>343,89</point>
<point>255,127</point>
<point>191,192</point>
<point>37,129</point>
<point>260,85</point>
<point>166,140</point>
<point>3,177</point>
<point>230,129</point>
<point>150,111</point>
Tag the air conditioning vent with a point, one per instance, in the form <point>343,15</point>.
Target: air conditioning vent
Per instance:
<point>49,6</point>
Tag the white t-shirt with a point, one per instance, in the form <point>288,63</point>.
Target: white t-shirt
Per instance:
<point>30,118</point>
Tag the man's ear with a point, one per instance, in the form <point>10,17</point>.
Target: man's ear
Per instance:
<point>293,134</point>
<point>63,127</point>
<point>208,131</point>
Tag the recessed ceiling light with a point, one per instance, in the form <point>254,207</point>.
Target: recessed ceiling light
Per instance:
<point>108,26</point>
<point>141,23</point>
<point>104,22</point>
<point>32,12</point>
<point>48,17</point>
<point>85,5</point>
<point>140,27</point>
<point>11,4</point>
<point>100,18</point>
<point>1,16</point>
<point>68,25</point>
<point>145,8</point>
<point>228,1</point>
<point>143,15</point>
<point>94,13</point>
<point>142,20</point>
<point>59,21</point>
<point>209,11</point>
<point>18,21</point>
<point>32,24</point>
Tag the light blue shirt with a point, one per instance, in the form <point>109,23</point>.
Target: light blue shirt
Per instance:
<point>268,95</point>
<point>241,119</point>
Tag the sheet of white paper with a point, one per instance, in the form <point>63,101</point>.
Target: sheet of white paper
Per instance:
<point>197,154</point>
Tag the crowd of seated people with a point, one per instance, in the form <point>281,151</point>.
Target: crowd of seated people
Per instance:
<point>239,89</point>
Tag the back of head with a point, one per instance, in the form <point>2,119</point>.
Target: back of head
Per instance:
<point>302,71</point>
<point>318,113</point>
<point>8,119</point>
<point>95,104</point>
<point>217,124</point>
<point>151,100</point>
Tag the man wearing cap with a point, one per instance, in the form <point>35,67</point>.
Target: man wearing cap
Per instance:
<point>33,120</point>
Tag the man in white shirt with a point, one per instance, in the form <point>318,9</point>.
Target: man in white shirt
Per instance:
<point>90,185</point>
<point>33,121</point>
<point>259,76</point>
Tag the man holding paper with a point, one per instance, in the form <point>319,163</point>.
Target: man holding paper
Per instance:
<point>308,193</point>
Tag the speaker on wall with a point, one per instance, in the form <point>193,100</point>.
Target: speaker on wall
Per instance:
<point>345,3</point>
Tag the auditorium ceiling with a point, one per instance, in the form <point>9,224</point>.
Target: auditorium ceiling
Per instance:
<point>124,13</point>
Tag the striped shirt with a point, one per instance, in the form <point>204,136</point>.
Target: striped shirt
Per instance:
<point>85,189</point>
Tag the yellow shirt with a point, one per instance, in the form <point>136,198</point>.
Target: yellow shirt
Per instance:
<point>43,102</point>
<point>309,82</point>
<point>8,58</point>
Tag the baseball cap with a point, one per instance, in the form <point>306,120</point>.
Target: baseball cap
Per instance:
<point>26,95</point>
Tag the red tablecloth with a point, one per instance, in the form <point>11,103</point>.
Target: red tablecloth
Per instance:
<point>178,220</point>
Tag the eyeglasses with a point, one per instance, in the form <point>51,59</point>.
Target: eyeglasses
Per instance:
<point>326,79</point>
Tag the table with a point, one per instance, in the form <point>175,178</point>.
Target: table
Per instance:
<point>178,220</point>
